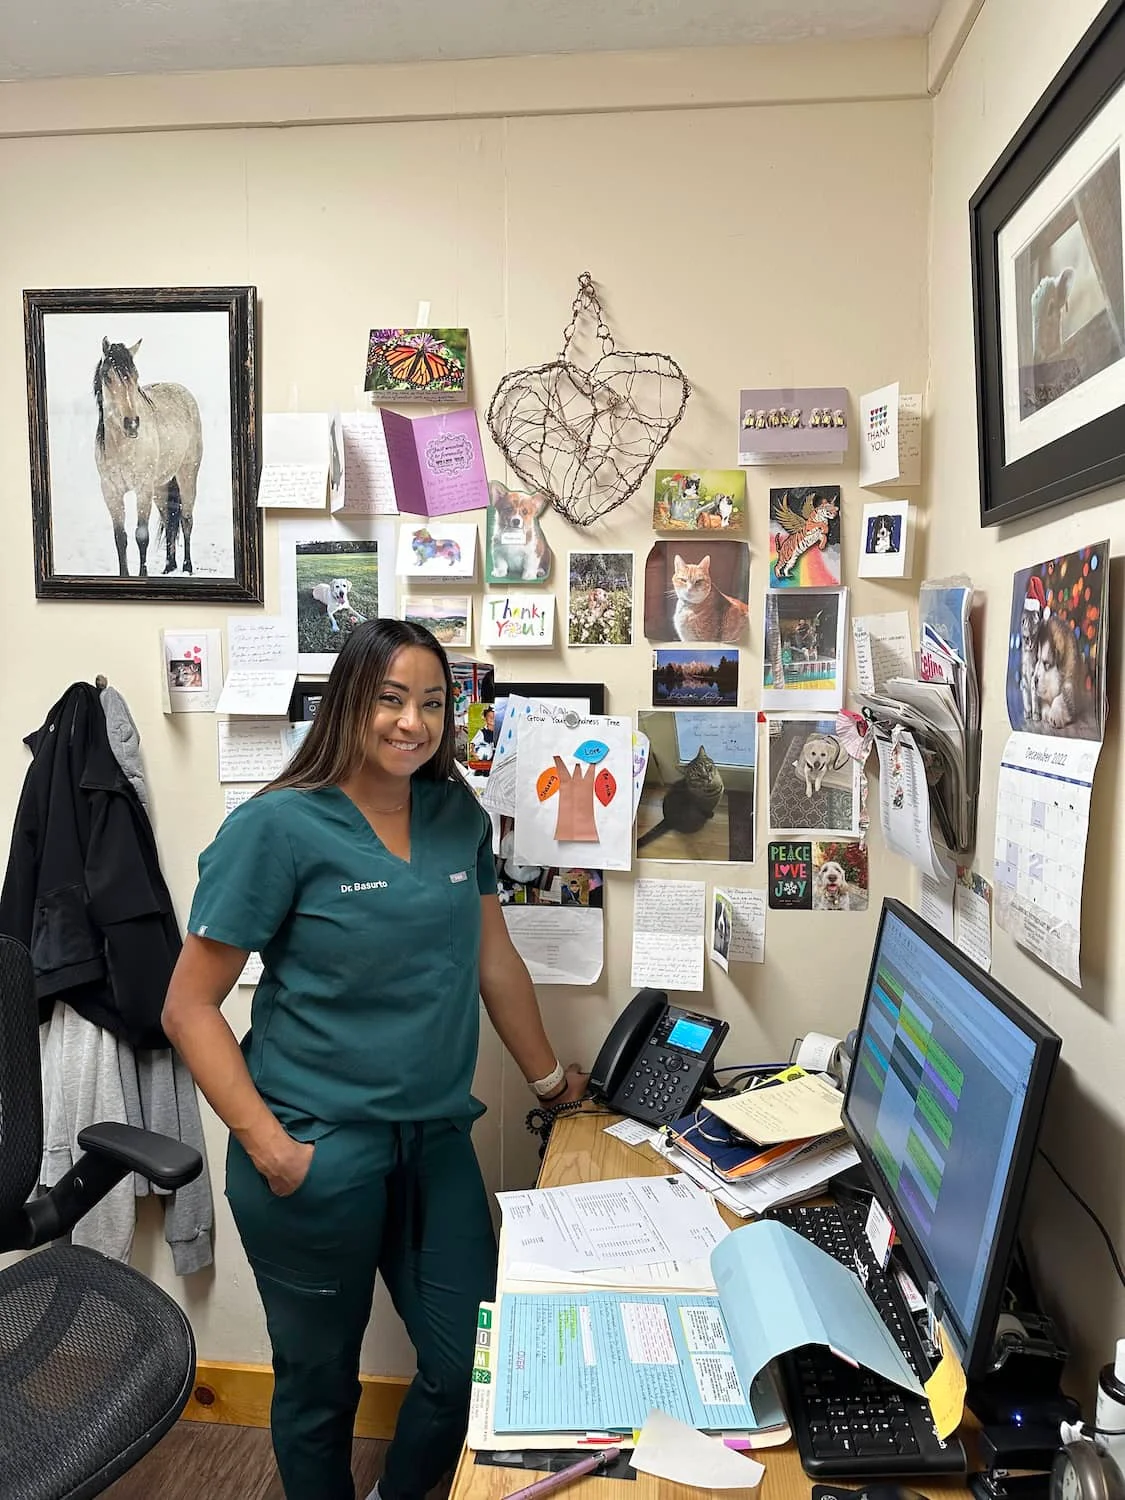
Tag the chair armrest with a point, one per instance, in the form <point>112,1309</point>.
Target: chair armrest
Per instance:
<point>160,1158</point>
<point>109,1152</point>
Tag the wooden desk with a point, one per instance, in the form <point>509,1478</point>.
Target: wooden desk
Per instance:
<point>580,1151</point>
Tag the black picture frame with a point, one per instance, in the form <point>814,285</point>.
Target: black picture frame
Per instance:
<point>1091,454</point>
<point>594,691</point>
<point>197,395</point>
<point>305,699</point>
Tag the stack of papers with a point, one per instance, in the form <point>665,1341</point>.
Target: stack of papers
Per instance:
<point>797,1108</point>
<point>799,1178</point>
<point>635,1231</point>
<point>599,1362</point>
<point>927,733</point>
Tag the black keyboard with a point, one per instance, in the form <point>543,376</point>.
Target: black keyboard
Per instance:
<point>847,1421</point>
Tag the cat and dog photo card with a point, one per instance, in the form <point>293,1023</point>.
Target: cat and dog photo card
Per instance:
<point>815,785</point>
<point>699,500</point>
<point>805,537</point>
<point>815,875</point>
<point>1056,646</point>
<point>698,798</point>
<point>804,655</point>
<point>698,591</point>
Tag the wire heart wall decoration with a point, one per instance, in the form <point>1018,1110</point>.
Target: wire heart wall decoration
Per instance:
<point>588,437</point>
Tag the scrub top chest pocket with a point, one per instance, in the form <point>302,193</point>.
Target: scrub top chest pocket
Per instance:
<point>464,913</point>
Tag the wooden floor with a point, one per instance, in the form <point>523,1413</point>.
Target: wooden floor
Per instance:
<point>229,1463</point>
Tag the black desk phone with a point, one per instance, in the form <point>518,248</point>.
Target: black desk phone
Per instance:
<point>656,1059</point>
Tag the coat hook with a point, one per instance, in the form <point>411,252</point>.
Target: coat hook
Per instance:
<point>101,682</point>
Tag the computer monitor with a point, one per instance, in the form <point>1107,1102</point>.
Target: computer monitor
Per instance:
<point>944,1099</point>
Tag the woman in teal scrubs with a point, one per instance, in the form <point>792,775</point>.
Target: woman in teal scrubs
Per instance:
<point>364,877</point>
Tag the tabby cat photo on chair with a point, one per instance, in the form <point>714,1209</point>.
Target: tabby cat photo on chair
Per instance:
<point>697,802</point>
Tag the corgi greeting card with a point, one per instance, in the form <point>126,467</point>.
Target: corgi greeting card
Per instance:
<point>517,550</point>
<point>437,551</point>
<point>517,620</point>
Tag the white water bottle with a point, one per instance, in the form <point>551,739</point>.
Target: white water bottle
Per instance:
<point>1109,1416</point>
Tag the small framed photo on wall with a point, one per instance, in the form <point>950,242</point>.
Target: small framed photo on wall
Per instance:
<point>142,409</point>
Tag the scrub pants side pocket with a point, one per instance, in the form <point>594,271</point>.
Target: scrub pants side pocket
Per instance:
<point>279,1234</point>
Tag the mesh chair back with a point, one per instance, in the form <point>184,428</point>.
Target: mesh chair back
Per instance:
<point>21,1090</point>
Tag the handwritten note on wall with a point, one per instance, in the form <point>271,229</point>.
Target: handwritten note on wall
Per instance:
<point>669,917</point>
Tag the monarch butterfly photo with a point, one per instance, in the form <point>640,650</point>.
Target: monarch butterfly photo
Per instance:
<point>406,364</point>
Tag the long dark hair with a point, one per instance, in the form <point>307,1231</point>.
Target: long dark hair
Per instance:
<point>333,748</point>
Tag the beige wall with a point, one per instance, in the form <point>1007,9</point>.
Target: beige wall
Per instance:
<point>759,242</point>
<point>1012,53</point>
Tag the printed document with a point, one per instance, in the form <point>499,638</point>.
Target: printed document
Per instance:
<point>630,1221</point>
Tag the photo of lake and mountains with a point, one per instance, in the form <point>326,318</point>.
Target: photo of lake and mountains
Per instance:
<point>694,678</point>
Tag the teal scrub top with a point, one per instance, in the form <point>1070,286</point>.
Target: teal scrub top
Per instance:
<point>368,1005</point>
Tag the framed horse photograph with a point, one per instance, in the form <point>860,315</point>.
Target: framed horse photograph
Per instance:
<point>142,410</point>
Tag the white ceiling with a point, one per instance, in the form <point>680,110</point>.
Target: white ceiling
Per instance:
<point>86,38</point>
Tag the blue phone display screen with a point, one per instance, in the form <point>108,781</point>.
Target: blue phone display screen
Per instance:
<point>692,1036</point>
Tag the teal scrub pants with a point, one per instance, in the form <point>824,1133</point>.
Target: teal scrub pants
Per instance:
<point>404,1200</point>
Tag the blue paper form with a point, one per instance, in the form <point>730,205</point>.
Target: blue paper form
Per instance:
<point>600,1362</point>
<point>780,1291</point>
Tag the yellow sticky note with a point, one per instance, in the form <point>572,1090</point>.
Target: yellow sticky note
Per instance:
<point>945,1389</point>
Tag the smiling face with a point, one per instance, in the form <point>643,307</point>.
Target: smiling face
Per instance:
<point>406,726</point>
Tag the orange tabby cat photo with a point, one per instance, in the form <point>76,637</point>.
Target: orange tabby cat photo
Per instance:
<point>697,592</point>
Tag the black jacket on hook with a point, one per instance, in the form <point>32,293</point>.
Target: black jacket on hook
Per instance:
<point>83,889</point>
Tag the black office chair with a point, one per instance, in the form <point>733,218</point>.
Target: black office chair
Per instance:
<point>96,1363</point>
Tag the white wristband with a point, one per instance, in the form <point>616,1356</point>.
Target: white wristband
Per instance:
<point>548,1085</point>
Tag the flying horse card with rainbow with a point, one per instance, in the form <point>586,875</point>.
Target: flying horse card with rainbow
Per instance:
<point>805,537</point>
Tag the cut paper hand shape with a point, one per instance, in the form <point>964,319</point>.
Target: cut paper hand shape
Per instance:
<point>568,807</point>
<point>576,790</point>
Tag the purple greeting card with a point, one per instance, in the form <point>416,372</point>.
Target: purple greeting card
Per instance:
<point>437,462</point>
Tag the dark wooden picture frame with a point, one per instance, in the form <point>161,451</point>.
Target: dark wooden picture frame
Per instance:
<point>1083,454</point>
<point>594,691</point>
<point>144,470</point>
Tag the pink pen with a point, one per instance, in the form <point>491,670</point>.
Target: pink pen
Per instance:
<point>564,1476</point>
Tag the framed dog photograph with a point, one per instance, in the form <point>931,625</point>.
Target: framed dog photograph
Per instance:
<point>1049,290</point>
<point>142,410</point>
<point>335,573</point>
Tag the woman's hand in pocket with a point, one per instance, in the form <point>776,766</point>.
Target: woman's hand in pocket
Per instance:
<point>286,1172</point>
